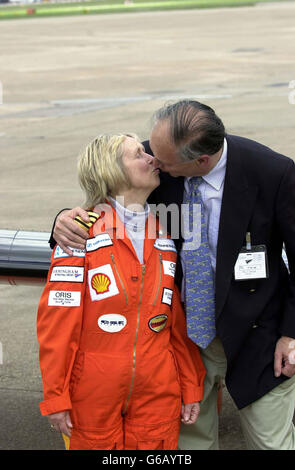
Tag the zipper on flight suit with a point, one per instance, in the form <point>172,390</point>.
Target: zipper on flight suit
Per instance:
<point>135,341</point>
<point>120,279</point>
<point>160,280</point>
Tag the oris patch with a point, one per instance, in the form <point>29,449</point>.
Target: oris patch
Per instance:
<point>61,298</point>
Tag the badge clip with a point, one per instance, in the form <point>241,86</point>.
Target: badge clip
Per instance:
<point>252,262</point>
<point>248,241</point>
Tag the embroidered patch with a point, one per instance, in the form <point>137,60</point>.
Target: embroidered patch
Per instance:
<point>158,323</point>
<point>112,322</point>
<point>61,298</point>
<point>67,274</point>
<point>102,283</point>
<point>169,268</point>
<point>101,240</point>
<point>60,253</point>
<point>167,296</point>
<point>165,244</point>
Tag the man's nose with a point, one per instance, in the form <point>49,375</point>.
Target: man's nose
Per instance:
<point>155,163</point>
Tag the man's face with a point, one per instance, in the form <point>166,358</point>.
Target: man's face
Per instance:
<point>166,155</point>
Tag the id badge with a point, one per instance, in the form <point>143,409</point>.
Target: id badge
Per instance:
<point>251,263</point>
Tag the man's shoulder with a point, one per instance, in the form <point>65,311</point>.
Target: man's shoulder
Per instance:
<point>246,146</point>
<point>256,158</point>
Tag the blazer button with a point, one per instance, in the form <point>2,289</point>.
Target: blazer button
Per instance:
<point>255,326</point>
<point>252,290</point>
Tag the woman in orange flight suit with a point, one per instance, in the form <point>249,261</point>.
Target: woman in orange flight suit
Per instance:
<point>117,367</point>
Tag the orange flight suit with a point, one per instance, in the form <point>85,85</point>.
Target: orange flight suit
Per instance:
<point>113,344</point>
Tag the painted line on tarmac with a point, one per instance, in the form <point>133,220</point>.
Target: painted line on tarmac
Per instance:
<point>70,107</point>
<point>61,108</point>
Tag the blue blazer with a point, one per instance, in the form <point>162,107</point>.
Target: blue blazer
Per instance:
<point>258,197</point>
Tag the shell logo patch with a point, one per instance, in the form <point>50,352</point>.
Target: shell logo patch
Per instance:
<point>100,283</point>
<point>158,323</point>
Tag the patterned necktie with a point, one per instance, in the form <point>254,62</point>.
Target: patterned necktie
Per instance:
<point>199,278</point>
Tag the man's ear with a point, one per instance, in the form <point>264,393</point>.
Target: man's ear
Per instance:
<point>203,161</point>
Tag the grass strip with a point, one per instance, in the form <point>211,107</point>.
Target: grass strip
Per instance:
<point>115,6</point>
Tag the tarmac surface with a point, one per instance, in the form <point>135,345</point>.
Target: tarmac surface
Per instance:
<point>67,79</point>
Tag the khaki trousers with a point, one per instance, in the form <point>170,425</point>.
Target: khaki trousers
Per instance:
<point>266,423</point>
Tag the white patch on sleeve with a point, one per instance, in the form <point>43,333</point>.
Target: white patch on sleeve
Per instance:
<point>59,253</point>
<point>67,274</point>
<point>61,298</point>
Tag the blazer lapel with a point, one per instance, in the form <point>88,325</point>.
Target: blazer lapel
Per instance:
<point>169,195</point>
<point>238,200</point>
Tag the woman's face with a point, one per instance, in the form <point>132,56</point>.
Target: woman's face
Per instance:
<point>139,166</point>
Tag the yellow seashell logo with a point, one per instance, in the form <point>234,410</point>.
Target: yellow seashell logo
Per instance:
<point>100,283</point>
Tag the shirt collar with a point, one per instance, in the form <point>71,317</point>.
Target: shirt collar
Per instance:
<point>216,176</point>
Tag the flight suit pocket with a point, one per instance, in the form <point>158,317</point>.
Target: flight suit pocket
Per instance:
<point>77,372</point>
<point>175,364</point>
<point>164,273</point>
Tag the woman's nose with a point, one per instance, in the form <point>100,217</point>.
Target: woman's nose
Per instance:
<point>150,158</point>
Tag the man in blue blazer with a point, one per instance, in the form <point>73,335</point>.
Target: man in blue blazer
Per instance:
<point>248,197</point>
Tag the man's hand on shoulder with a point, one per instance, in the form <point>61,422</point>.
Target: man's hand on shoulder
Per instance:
<point>284,361</point>
<point>67,232</point>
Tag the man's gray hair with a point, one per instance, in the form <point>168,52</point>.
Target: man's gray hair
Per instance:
<point>195,129</point>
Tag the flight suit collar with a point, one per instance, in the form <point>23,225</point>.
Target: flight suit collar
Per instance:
<point>111,223</point>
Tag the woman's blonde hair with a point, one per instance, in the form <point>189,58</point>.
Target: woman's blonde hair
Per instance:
<point>100,168</point>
